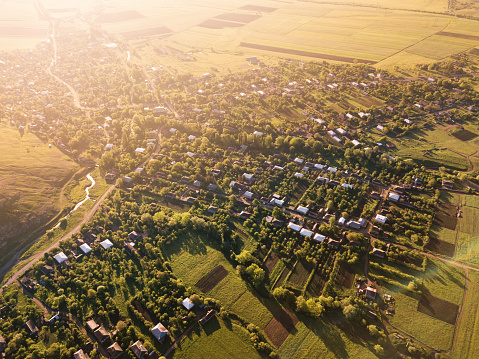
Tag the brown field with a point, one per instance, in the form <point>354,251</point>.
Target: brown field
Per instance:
<point>139,307</point>
<point>162,30</point>
<point>270,263</point>
<point>345,277</point>
<point>22,31</point>
<point>282,278</point>
<point>438,308</point>
<point>210,280</point>
<point>63,10</point>
<point>305,53</point>
<point>219,24</point>
<point>461,36</point>
<point>258,8</point>
<point>316,285</point>
<point>441,247</point>
<point>464,135</point>
<point>300,274</point>
<point>119,16</point>
<point>280,327</point>
<point>244,18</point>
<point>474,51</point>
<point>445,221</point>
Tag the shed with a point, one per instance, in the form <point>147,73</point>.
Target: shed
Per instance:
<point>106,244</point>
<point>187,303</point>
<point>60,257</point>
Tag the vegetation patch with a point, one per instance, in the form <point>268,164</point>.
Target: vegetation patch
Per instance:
<point>280,327</point>
<point>445,221</point>
<point>270,263</point>
<point>154,31</point>
<point>258,8</point>
<point>438,308</point>
<point>283,50</point>
<point>456,35</point>
<point>316,285</point>
<point>219,24</point>
<point>345,276</point>
<point>300,274</point>
<point>244,18</point>
<point>119,16</point>
<point>210,280</point>
<point>464,135</point>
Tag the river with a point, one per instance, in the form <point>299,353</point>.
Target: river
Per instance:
<point>87,197</point>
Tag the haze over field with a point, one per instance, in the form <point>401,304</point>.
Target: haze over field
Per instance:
<point>239,179</point>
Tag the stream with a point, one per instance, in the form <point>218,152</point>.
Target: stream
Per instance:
<point>87,197</point>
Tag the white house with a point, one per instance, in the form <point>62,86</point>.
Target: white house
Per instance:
<point>191,154</point>
<point>277,202</point>
<point>336,138</point>
<point>380,128</point>
<point>248,176</point>
<point>294,227</point>
<point>355,142</point>
<point>319,237</point>
<point>303,210</point>
<point>140,150</point>
<point>159,331</point>
<point>191,137</point>
<point>85,248</point>
<point>257,133</point>
<point>380,218</point>
<point>109,146</point>
<point>305,233</point>
<point>173,130</point>
<point>299,175</point>
<point>341,221</point>
<point>318,167</point>
<point>354,224</point>
<point>298,160</point>
<point>393,197</point>
<point>341,131</point>
<point>60,257</point>
<point>106,244</point>
<point>407,121</point>
<point>248,194</point>
<point>187,303</point>
<point>346,185</point>
<point>332,169</point>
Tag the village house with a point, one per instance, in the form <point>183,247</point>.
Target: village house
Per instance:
<point>101,334</point>
<point>159,332</point>
<point>80,355</point>
<point>115,351</point>
<point>139,350</point>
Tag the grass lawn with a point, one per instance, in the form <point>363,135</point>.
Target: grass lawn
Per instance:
<point>313,338</point>
<point>470,201</point>
<point>449,197</point>
<point>469,221</point>
<point>195,251</point>
<point>441,280</point>
<point>443,234</point>
<point>468,334</point>
<point>216,340</point>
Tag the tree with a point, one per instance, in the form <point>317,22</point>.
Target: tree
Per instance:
<point>379,350</point>
<point>350,312</point>
<point>256,274</point>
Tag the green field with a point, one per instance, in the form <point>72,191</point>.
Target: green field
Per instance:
<point>468,334</point>
<point>32,175</point>
<point>216,340</point>
<point>195,251</point>
<point>440,280</point>
<point>319,339</point>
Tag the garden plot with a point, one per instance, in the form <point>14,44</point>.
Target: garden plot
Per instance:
<point>210,280</point>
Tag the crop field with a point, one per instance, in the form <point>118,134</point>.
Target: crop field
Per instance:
<point>313,338</point>
<point>440,280</point>
<point>210,280</point>
<point>195,251</point>
<point>468,333</point>
<point>216,340</point>
<point>32,176</point>
<point>438,308</point>
<point>300,274</point>
<point>345,277</point>
<point>280,327</point>
<point>270,263</point>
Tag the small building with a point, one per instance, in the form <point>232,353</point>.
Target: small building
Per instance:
<point>318,167</point>
<point>355,143</point>
<point>332,169</point>
<point>294,227</point>
<point>249,177</point>
<point>134,236</point>
<point>277,202</point>
<point>85,248</point>
<point>212,209</point>
<point>244,215</point>
<point>106,244</point>
<point>393,197</point>
<point>363,222</point>
<point>380,218</point>
<point>114,351</point>
<point>188,304</point>
<point>341,131</point>
<point>302,210</point>
<point>80,355</point>
<point>47,270</point>
<point>299,175</point>
<point>341,221</point>
<point>371,293</point>
<point>159,332</point>
<point>191,138</point>
<point>31,328</point>
<point>354,224</point>
<point>379,252</point>
<point>91,325</point>
<point>319,237</point>
<point>109,146</point>
<point>257,133</point>
<point>140,150</point>
<point>212,187</point>
<point>60,257</point>
<point>306,233</point>
<point>139,350</point>
<point>101,334</point>
<point>298,161</point>
<point>249,195</point>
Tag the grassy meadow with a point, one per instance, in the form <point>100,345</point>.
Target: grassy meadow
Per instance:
<point>32,175</point>
<point>440,280</point>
